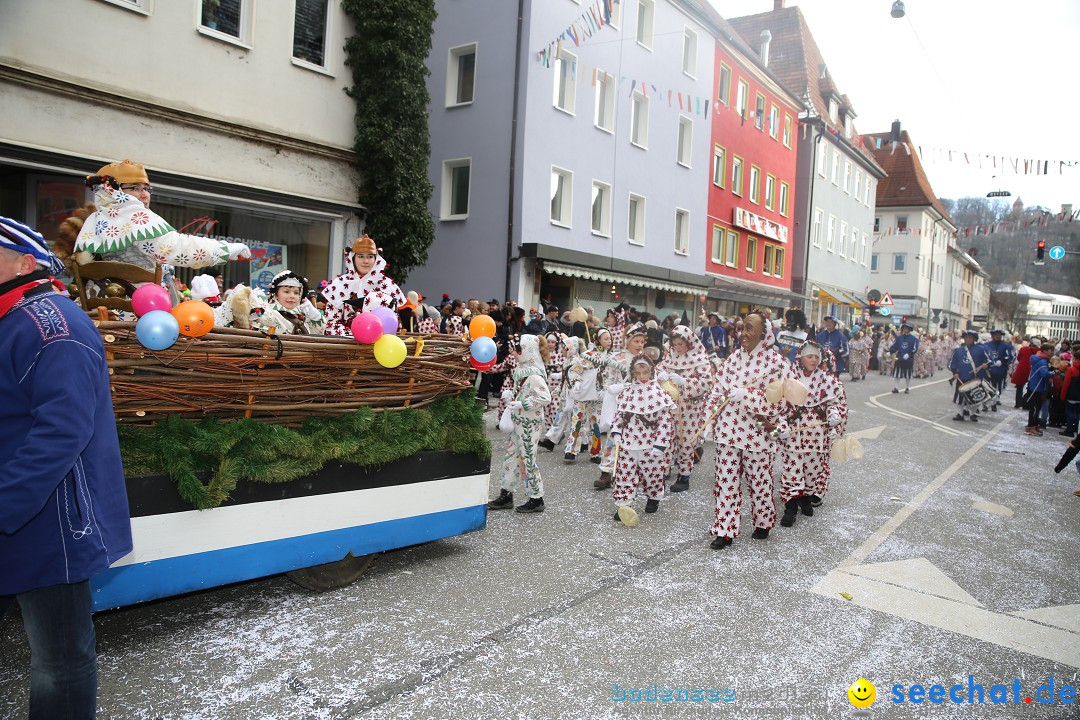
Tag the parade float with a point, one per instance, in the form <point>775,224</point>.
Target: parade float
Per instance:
<point>249,453</point>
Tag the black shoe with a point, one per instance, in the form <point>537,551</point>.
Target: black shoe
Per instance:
<point>806,504</point>
<point>681,485</point>
<point>974,418</point>
<point>603,482</point>
<point>1067,432</point>
<point>791,511</point>
<point>533,505</point>
<point>760,533</point>
<point>569,457</point>
<point>816,501</point>
<point>594,459</point>
<point>698,454</point>
<point>651,505</point>
<point>503,502</point>
<point>959,417</point>
<point>546,444</point>
<point>719,543</point>
<point>907,391</point>
<point>895,390</point>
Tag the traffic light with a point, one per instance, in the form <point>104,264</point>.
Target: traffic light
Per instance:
<point>903,320</point>
<point>873,307</point>
<point>1040,250</point>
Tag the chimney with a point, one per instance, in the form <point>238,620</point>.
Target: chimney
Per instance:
<point>766,38</point>
<point>896,131</point>
<point>778,5</point>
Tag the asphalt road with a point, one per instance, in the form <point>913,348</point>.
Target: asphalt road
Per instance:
<point>955,542</point>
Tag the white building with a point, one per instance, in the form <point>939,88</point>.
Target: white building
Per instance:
<point>1034,312</point>
<point>238,116</point>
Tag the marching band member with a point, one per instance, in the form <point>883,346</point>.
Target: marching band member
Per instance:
<point>811,428</point>
<point>688,366</point>
<point>833,338</point>
<point>1001,356</point>
<point>904,348</point>
<point>969,362</point>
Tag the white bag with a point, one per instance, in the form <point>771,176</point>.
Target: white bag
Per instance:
<point>506,424</point>
<point>585,390</point>
<point>607,411</point>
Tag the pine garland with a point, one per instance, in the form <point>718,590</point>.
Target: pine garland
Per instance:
<point>387,56</point>
<point>252,451</point>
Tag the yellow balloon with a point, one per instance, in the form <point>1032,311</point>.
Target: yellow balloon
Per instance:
<point>390,351</point>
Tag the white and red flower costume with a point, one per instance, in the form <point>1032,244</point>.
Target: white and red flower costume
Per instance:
<point>558,421</point>
<point>693,373</point>
<point>643,429</point>
<point>373,289</point>
<point>530,389</point>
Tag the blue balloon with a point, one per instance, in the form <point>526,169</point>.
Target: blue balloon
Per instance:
<point>157,330</point>
<point>483,349</point>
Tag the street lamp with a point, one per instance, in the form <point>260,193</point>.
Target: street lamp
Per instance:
<point>897,9</point>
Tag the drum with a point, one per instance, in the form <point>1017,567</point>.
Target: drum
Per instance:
<point>977,392</point>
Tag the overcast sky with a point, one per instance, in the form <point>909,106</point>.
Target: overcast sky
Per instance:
<point>978,76</point>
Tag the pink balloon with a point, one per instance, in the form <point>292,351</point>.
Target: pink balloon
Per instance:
<point>150,297</point>
<point>367,328</point>
<point>389,318</point>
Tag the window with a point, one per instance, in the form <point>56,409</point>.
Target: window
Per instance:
<point>766,265</point>
<point>787,130</point>
<point>645,23</point>
<point>783,199</point>
<point>461,75</point>
<point>717,250</point>
<point>821,158</point>
<point>731,249</point>
<point>601,209</point>
<point>835,167</point>
<point>719,167</point>
<point>899,262</point>
<point>455,189</point>
<point>635,221</point>
<point>742,98</point>
<point>830,240</point>
<point>684,151</point>
<point>689,52</point>
<point>565,85</point>
<point>817,227</point>
<point>736,175</point>
<point>833,109</point>
<point>770,192</point>
<point>858,183</point>
<point>759,111</point>
<point>605,101</point>
<point>751,253</point>
<point>142,7</point>
<point>309,31</point>
<point>842,249</point>
<point>864,248</point>
<point>226,19</point>
<point>847,176</point>
<point>901,223</point>
<point>755,184</point>
<point>616,15</point>
<point>778,262</point>
<point>866,193</point>
<point>639,120</point>
<point>877,224</point>
<point>873,262</point>
<point>562,190</point>
<point>855,245</point>
<point>723,93</point>
<point>774,122</point>
<point>682,232</point>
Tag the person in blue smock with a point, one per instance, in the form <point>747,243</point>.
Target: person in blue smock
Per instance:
<point>1001,355</point>
<point>969,362</point>
<point>904,348</point>
<point>834,339</point>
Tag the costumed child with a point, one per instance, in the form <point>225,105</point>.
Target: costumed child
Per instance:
<point>362,287</point>
<point>687,365</point>
<point>642,430</point>
<point>616,371</point>
<point>558,425</point>
<point>586,390</point>
<point>288,292</point>
<point>555,375</point>
<point>904,349</point>
<point>526,410</point>
<point>811,429</point>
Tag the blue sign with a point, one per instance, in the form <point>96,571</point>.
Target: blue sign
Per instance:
<point>1057,252</point>
<point>885,310</point>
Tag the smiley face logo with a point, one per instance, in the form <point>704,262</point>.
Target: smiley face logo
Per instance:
<point>862,693</point>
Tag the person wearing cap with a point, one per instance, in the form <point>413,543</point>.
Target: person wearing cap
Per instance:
<point>288,296</point>
<point>714,337</point>
<point>969,362</point>
<point>204,287</point>
<point>63,502</point>
<point>1001,356</point>
<point>903,349</point>
<point>1038,387</point>
<point>363,286</point>
<point>834,339</point>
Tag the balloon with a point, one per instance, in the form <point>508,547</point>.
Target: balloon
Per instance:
<point>390,351</point>
<point>150,297</point>
<point>367,328</point>
<point>157,330</point>
<point>482,326</point>
<point>195,317</point>
<point>482,367</point>
<point>389,319</point>
<point>483,349</point>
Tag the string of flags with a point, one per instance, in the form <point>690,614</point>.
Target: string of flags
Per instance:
<point>595,18</point>
<point>983,161</point>
<point>1033,220</point>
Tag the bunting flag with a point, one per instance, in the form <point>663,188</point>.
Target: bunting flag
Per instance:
<point>596,17</point>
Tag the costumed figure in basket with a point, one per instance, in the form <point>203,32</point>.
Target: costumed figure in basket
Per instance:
<point>362,287</point>
<point>688,367</point>
<point>289,292</point>
<point>810,432</point>
<point>616,369</point>
<point>903,350</point>
<point>558,427</point>
<point>741,420</point>
<point>642,430</point>
<point>972,390</point>
<point>522,420</point>
<point>428,320</point>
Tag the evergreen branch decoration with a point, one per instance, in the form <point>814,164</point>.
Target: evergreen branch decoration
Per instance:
<point>387,56</point>
<point>251,451</point>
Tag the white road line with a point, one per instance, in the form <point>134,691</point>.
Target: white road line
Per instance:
<point>943,428</point>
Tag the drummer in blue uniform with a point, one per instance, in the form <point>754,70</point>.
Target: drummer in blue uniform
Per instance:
<point>969,362</point>
<point>1001,355</point>
<point>904,348</point>
<point>834,339</point>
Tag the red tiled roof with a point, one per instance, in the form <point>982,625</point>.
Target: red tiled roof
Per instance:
<point>906,184</point>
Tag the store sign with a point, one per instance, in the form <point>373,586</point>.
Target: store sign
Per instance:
<point>267,260</point>
<point>762,226</point>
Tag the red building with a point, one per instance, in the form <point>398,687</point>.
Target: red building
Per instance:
<point>755,131</point>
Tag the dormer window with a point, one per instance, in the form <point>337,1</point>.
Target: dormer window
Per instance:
<point>834,109</point>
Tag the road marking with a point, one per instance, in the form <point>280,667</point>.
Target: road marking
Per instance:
<point>917,574</point>
<point>944,428</point>
<point>1063,616</point>
<point>993,508</point>
<point>869,433</point>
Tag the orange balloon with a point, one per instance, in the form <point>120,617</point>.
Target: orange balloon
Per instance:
<point>196,318</point>
<point>482,326</point>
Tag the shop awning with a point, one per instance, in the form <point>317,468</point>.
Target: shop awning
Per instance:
<point>824,296</point>
<point>833,296</point>
<point>726,288</point>
<point>607,276</point>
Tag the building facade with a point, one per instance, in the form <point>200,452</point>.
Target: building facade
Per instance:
<point>1033,312</point>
